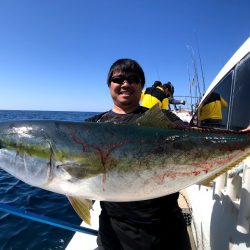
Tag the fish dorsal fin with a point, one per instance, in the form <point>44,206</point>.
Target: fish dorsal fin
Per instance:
<point>155,118</point>
<point>82,207</point>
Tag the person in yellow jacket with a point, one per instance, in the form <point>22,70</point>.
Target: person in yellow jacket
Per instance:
<point>153,95</point>
<point>210,114</point>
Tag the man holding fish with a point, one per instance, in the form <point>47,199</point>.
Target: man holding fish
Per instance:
<point>127,158</point>
<point>139,225</point>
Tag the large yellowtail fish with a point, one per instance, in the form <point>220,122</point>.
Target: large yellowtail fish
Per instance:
<point>127,162</point>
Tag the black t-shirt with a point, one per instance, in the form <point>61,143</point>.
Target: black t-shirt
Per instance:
<point>147,211</point>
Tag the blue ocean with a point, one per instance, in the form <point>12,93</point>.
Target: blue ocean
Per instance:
<point>24,234</point>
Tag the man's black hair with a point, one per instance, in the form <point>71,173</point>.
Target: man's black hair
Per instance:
<point>169,86</point>
<point>157,84</point>
<point>126,65</point>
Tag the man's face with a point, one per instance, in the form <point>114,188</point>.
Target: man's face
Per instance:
<point>125,89</point>
<point>166,90</point>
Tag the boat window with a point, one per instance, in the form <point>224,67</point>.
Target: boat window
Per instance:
<point>213,111</point>
<point>241,95</point>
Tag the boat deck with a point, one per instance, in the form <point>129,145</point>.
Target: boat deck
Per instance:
<point>82,241</point>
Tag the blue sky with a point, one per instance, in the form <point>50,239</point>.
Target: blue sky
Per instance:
<point>55,54</point>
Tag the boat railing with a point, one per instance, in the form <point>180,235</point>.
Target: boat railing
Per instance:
<point>191,103</point>
<point>235,184</point>
<point>45,219</point>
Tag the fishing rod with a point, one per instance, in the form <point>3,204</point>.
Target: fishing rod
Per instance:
<point>46,220</point>
<point>202,72</point>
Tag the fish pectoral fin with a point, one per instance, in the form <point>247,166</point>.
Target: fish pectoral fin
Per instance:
<point>82,207</point>
<point>155,118</point>
<point>82,170</point>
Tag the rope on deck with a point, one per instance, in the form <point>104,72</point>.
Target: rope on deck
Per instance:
<point>46,220</point>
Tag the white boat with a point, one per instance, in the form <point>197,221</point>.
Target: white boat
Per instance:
<point>82,241</point>
<point>221,213</point>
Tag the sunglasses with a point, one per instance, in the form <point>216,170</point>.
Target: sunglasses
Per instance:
<point>130,79</point>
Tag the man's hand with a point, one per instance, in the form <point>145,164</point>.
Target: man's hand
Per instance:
<point>247,129</point>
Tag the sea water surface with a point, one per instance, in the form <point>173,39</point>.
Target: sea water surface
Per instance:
<point>23,234</point>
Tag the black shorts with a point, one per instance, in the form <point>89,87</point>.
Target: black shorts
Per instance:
<point>170,233</point>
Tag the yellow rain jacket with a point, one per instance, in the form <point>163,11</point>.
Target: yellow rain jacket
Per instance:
<point>153,95</point>
<point>212,108</point>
